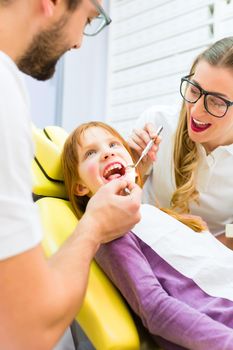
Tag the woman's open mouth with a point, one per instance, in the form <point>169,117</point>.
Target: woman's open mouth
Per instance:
<point>198,126</point>
<point>114,171</point>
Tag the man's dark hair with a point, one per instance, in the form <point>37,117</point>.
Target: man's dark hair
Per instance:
<point>5,2</point>
<point>72,4</point>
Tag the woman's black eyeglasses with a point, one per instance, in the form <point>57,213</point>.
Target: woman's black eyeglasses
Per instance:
<point>213,103</point>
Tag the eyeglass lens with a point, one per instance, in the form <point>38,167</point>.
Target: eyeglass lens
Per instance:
<point>213,104</point>
<point>95,26</point>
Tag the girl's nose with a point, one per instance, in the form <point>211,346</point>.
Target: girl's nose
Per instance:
<point>107,154</point>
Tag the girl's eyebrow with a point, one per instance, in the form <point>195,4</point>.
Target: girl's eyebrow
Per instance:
<point>93,144</point>
<point>90,145</point>
<point>113,138</point>
<point>107,139</point>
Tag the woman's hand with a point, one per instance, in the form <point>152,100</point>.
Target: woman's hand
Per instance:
<point>138,141</point>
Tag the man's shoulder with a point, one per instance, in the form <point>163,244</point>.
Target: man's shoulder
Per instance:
<point>12,81</point>
<point>14,101</point>
<point>7,66</point>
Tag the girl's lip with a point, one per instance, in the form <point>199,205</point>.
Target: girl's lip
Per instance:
<point>198,127</point>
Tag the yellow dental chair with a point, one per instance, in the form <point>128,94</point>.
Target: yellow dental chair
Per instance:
<point>104,316</point>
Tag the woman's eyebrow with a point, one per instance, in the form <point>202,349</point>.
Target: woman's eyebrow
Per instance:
<point>214,92</point>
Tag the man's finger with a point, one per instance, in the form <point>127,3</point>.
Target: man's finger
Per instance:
<point>135,190</point>
<point>117,185</point>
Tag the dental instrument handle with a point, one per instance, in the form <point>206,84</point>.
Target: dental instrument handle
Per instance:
<point>149,145</point>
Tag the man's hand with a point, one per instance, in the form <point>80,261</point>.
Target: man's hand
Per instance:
<point>138,141</point>
<point>110,214</point>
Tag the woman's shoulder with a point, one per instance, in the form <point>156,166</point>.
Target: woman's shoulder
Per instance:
<point>160,115</point>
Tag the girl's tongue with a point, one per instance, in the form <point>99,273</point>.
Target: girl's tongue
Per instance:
<point>114,171</point>
<point>118,170</point>
<point>113,176</point>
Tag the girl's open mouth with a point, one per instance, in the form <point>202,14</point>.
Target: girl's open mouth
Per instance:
<point>199,126</point>
<point>114,171</point>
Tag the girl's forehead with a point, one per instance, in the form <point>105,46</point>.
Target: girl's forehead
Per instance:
<point>93,133</point>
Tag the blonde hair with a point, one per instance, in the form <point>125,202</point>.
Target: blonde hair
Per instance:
<point>185,155</point>
<point>70,162</point>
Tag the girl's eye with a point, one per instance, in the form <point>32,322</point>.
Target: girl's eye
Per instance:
<point>114,144</point>
<point>89,153</point>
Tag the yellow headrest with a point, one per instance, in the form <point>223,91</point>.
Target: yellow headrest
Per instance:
<point>48,155</point>
<point>46,168</point>
<point>56,134</point>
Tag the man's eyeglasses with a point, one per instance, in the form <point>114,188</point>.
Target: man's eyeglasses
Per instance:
<point>98,23</point>
<point>213,103</point>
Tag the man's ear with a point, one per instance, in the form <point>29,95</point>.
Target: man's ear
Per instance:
<point>81,190</point>
<point>48,7</point>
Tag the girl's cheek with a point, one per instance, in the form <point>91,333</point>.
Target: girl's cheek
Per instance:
<point>92,170</point>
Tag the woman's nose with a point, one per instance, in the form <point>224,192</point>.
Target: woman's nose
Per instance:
<point>199,106</point>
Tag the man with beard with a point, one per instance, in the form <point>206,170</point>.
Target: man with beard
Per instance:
<point>38,297</point>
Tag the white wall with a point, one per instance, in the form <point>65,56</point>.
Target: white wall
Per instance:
<point>84,86</point>
<point>43,101</point>
<point>153,44</point>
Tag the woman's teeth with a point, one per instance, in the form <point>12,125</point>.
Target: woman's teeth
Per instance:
<point>199,126</point>
<point>199,123</point>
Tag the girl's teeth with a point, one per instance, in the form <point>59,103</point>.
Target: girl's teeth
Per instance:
<point>115,166</point>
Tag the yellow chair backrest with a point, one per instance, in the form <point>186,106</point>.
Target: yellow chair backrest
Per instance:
<point>104,316</point>
<point>47,175</point>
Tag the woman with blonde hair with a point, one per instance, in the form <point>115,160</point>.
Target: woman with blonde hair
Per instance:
<point>193,172</point>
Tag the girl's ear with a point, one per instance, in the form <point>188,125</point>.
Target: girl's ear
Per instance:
<point>81,190</point>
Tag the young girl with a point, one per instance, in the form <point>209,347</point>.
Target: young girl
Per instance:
<point>177,281</point>
<point>193,172</point>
